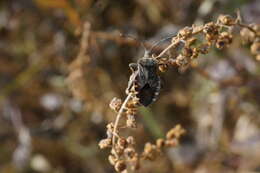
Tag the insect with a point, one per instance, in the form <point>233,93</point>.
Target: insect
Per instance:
<point>146,81</point>
<point>144,76</point>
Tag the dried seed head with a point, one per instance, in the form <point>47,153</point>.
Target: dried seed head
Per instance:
<point>163,67</point>
<point>131,122</point>
<point>120,166</point>
<point>256,28</point>
<point>105,143</point>
<point>203,49</point>
<point>135,162</point>
<point>121,142</point>
<point>133,103</point>
<point>226,20</point>
<point>187,51</point>
<point>160,143</point>
<point>258,57</point>
<point>112,159</point>
<point>133,90</point>
<point>130,140</point>
<point>115,104</point>
<point>172,62</point>
<point>247,35</point>
<point>185,32</point>
<point>195,53</point>
<point>224,39</point>
<point>171,134</point>
<point>150,151</point>
<point>181,60</point>
<point>129,152</point>
<point>110,128</point>
<point>175,132</point>
<point>255,48</point>
<point>211,28</point>
<point>191,41</point>
<point>172,143</point>
<point>117,150</point>
<point>131,111</point>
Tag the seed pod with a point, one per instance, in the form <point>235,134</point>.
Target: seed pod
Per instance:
<point>120,166</point>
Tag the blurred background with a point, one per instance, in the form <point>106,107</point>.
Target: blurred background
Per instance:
<point>55,86</point>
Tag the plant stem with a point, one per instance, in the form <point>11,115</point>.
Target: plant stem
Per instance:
<point>119,114</point>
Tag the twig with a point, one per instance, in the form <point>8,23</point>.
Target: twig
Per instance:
<point>120,113</point>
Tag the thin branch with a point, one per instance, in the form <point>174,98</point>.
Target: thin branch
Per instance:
<point>119,115</point>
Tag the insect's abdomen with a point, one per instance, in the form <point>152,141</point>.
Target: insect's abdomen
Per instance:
<point>148,93</point>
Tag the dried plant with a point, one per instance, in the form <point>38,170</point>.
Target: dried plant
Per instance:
<point>194,40</point>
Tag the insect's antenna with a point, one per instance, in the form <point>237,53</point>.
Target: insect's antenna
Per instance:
<point>146,51</point>
<point>160,41</point>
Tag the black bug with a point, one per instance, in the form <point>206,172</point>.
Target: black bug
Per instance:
<point>144,78</point>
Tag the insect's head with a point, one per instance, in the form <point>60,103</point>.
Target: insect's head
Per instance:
<point>147,62</point>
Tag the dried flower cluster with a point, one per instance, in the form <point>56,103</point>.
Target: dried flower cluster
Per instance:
<point>198,40</point>
<point>251,36</point>
<point>123,153</point>
<point>194,40</point>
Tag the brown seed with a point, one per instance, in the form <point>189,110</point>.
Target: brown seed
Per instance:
<point>247,35</point>
<point>204,49</point>
<point>172,62</point>
<point>131,122</point>
<point>187,51</point>
<point>104,143</point>
<point>171,134</point>
<point>122,142</point>
<point>150,151</point>
<point>255,48</point>
<point>175,132</point>
<point>226,20</point>
<point>129,152</point>
<point>160,143</point>
<point>136,163</point>
<point>120,166</point>
<point>118,150</point>
<point>112,159</point>
<point>115,104</point>
<point>191,41</point>
<point>210,28</point>
<point>185,32</point>
<point>172,143</point>
<point>224,39</point>
<point>163,67</point>
<point>130,140</point>
<point>258,57</point>
<point>182,60</point>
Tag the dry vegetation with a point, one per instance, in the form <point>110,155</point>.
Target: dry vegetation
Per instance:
<point>64,63</point>
<point>218,34</point>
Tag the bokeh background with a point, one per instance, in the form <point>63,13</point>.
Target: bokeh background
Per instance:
<point>54,94</point>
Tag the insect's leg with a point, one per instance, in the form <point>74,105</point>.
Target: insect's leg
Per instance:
<point>131,82</point>
<point>133,67</point>
<point>143,76</point>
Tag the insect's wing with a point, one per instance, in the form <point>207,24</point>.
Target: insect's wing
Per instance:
<point>147,83</point>
<point>150,91</point>
<point>142,76</point>
<point>146,95</point>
